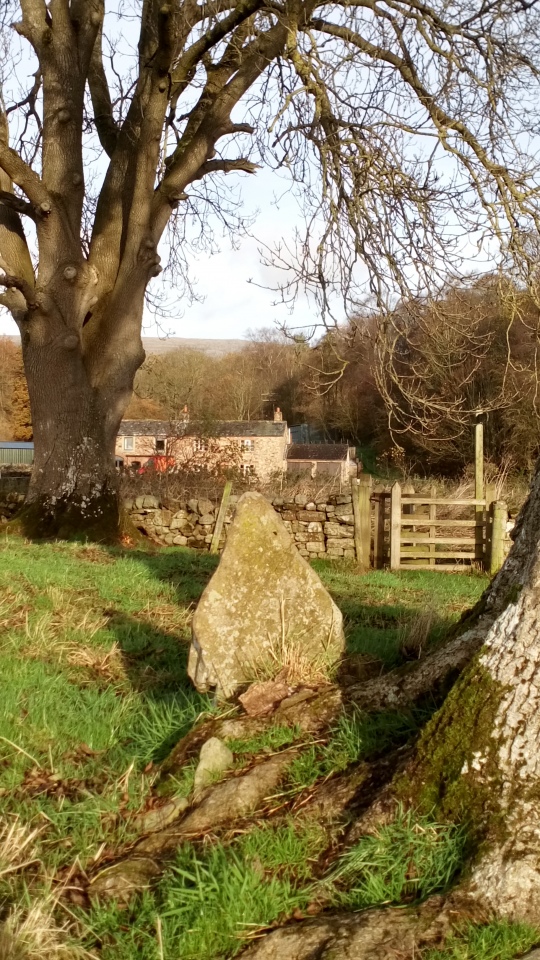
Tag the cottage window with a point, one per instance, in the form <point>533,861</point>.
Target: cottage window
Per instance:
<point>248,469</point>
<point>200,446</point>
<point>128,443</point>
<point>247,444</point>
<point>160,446</point>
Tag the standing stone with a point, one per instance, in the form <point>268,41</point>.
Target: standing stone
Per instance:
<point>262,588</point>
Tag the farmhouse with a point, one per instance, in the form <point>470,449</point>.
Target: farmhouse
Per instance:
<point>256,447</point>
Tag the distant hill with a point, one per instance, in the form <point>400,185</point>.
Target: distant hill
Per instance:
<point>214,348</point>
<point>160,345</point>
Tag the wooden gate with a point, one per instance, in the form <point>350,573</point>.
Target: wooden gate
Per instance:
<point>423,536</point>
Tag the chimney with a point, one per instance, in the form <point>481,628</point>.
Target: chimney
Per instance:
<point>185,414</point>
<point>278,416</point>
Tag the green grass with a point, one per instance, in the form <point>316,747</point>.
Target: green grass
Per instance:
<point>94,693</point>
<point>210,901</point>
<point>406,860</point>
<point>273,738</point>
<point>500,940</point>
<point>378,606</point>
<point>355,737</point>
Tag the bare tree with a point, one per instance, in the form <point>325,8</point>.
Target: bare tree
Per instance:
<point>338,94</point>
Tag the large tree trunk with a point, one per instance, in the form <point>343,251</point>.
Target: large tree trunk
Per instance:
<point>74,483</point>
<point>478,760</point>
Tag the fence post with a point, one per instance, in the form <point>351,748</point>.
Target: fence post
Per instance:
<point>491,496</point>
<point>499,516</point>
<point>379,503</point>
<point>214,546</point>
<point>479,486</point>
<point>361,492</point>
<point>395,526</point>
<point>432,529</point>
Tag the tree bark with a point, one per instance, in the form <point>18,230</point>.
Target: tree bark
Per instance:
<point>478,760</point>
<point>74,484</point>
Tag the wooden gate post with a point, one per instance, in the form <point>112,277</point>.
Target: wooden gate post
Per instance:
<point>491,496</point>
<point>395,526</point>
<point>499,513</point>
<point>214,546</point>
<point>479,486</point>
<point>361,493</point>
<point>379,504</point>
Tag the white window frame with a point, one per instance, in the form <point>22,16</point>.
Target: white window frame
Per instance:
<point>200,445</point>
<point>129,443</point>
<point>248,445</point>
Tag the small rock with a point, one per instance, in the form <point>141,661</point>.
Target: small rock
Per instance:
<point>150,503</point>
<point>261,698</point>
<point>206,506</point>
<point>193,506</point>
<point>160,817</point>
<point>180,541</point>
<point>215,758</point>
<point>207,519</point>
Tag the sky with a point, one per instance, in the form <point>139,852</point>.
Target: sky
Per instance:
<point>230,305</point>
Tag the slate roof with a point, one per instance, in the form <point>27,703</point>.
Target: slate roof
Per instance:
<point>317,451</point>
<point>224,428</point>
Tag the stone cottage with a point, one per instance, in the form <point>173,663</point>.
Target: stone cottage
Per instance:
<point>255,447</point>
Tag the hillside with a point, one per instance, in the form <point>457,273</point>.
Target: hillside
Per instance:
<point>157,346</point>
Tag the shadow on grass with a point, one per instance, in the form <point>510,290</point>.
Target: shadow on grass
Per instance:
<point>156,660</point>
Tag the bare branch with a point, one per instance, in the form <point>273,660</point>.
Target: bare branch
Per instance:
<point>106,126</point>
<point>227,166</point>
<point>18,204</point>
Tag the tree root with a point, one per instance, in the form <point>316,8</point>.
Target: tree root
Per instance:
<point>434,674</point>
<point>382,934</point>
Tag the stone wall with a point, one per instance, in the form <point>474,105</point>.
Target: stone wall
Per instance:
<point>10,503</point>
<point>320,528</point>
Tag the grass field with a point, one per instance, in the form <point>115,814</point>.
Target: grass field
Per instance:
<point>94,693</point>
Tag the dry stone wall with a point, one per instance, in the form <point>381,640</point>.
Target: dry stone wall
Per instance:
<point>323,527</point>
<point>10,503</point>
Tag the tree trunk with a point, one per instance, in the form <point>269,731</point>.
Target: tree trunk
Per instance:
<point>74,485</point>
<point>478,760</point>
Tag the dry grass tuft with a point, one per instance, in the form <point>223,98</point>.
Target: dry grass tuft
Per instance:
<point>168,618</point>
<point>106,664</point>
<point>13,610</point>
<point>286,659</point>
<point>34,935</point>
<point>17,847</point>
<point>413,635</point>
